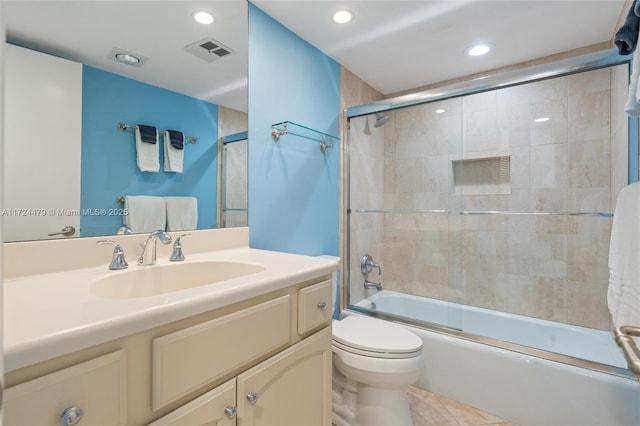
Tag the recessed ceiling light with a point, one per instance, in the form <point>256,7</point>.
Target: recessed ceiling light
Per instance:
<point>125,58</point>
<point>343,16</point>
<point>541,119</point>
<point>479,49</point>
<point>439,111</point>
<point>203,17</point>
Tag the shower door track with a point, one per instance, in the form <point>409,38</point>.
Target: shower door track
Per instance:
<point>501,344</point>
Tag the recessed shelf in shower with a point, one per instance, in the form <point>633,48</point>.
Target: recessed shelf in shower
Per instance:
<point>482,176</point>
<point>290,128</point>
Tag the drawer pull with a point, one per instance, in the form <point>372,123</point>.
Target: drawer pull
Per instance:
<point>252,397</point>
<point>230,411</point>
<point>71,416</point>
<point>322,306</point>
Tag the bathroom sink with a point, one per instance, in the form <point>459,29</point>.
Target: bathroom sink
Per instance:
<point>145,281</point>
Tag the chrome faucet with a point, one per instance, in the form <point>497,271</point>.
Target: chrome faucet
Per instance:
<point>372,285</point>
<point>178,255</point>
<point>148,255</point>
<point>118,261</point>
<point>366,266</point>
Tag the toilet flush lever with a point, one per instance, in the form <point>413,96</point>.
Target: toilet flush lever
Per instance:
<point>367,264</point>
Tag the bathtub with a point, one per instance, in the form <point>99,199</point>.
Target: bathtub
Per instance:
<point>523,369</point>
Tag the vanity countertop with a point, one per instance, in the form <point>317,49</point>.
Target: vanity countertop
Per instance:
<point>52,314</point>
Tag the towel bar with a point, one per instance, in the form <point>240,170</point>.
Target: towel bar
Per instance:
<point>514,213</point>
<point>628,345</point>
<point>123,127</point>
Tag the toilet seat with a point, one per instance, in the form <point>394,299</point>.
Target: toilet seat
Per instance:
<point>375,338</point>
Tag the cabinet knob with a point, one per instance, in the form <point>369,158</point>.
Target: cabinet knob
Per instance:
<point>230,411</point>
<point>71,416</point>
<point>252,397</point>
<point>322,306</point>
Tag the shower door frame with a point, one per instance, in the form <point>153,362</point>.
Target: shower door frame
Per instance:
<point>574,65</point>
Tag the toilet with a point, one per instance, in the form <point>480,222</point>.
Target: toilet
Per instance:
<point>374,362</point>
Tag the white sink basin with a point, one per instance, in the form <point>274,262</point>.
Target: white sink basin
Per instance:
<point>145,281</point>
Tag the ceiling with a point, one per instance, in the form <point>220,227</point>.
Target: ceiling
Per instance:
<point>87,31</point>
<point>393,45</point>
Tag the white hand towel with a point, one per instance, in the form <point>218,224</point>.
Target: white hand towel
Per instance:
<point>145,213</point>
<point>182,213</point>
<point>623,294</point>
<point>632,107</point>
<point>147,154</point>
<point>173,157</point>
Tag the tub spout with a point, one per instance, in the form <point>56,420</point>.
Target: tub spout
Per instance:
<point>372,285</point>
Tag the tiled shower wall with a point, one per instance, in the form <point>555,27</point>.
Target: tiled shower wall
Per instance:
<point>549,267</point>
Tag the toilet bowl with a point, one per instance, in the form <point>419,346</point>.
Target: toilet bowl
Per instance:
<point>374,363</point>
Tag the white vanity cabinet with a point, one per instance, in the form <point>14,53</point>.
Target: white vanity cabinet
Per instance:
<point>246,364</point>
<point>291,388</point>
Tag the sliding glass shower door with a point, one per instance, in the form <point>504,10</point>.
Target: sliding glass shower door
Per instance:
<point>498,202</point>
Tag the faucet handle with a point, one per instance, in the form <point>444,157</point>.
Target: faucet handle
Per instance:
<point>118,261</point>
<point>177,255</point>
<point>367,264</point>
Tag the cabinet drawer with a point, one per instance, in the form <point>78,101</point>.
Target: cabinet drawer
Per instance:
<point>189,359</point>
<point>314,306</point>
<point>97,387</point>
<point>208,409</point>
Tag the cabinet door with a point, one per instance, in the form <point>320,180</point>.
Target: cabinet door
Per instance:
<point>216,407</point>
<point>292,388</point>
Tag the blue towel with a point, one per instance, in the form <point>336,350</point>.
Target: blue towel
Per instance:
<point>148,134</point>
<point>176,138</point>
<point>626,38</point>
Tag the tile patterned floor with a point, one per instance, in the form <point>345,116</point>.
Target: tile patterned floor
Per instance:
<point>429,409</point>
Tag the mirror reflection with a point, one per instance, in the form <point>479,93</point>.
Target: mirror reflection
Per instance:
<point>85,80</point>
<point>234,182</point>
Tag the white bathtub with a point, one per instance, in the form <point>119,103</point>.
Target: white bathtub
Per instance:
<point>525,389</point>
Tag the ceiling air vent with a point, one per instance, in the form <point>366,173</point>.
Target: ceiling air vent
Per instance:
<point>209,49</point>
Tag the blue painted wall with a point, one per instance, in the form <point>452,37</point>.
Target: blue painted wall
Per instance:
<point>109,165</point>
<point>293,187</point>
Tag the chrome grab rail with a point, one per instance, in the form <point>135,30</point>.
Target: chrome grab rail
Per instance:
<point>402,211</point>
<point>623,336</point>
<point>510,213</point>
<point>485,212</point>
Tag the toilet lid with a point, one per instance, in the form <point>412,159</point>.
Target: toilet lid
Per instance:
<point>374,335</point>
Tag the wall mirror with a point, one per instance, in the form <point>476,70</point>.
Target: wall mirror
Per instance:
<point>67,161</point>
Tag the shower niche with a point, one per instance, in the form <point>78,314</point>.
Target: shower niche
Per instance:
<point>482,176</point>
